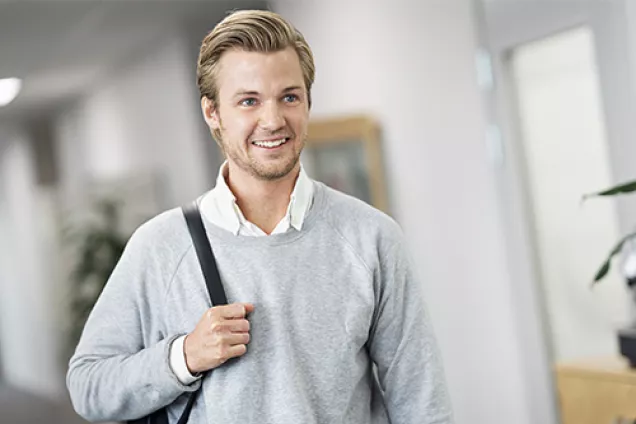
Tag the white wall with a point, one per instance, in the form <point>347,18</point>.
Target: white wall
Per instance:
<point>142,119</point>
<point>411,64</point>
<point>28,325</point>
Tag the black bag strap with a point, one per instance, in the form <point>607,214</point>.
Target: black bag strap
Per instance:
<point>210,273</point>
<point>188,408</point>
<point>204,253</point>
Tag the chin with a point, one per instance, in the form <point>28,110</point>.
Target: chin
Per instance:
<point>274,171</point>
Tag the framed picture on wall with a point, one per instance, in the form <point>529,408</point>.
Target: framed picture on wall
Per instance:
<point>345,154</point>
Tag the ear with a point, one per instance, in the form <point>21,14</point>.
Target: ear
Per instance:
<point>210,113</point>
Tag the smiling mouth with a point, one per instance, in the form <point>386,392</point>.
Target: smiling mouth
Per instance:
<point>272,144</point>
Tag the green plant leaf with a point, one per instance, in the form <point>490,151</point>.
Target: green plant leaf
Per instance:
<point>602,272</point>
<point>98,245</point>
<point>604,269</point>
<point>623,188</point>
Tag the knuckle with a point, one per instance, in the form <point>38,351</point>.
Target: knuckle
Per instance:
<point>216,340</point>
<point>219,339</point>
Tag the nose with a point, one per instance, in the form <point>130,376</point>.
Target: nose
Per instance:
<point>271,118</point>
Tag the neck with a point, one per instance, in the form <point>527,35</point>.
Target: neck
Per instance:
<point>262,202</point>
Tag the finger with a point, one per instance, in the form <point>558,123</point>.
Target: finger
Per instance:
<point>233,339</point>
<point>230,326</point>
<point>232,311</point>
<point>249,307</point>
<point>238,325</point>
<point>236,350</point>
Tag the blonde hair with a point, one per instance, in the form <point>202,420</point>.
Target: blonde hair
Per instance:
<point>254,31</point>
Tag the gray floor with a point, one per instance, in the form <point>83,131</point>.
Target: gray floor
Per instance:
<point>17,407</point>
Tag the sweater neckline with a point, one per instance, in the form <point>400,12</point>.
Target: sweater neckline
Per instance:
<point>217,233</point>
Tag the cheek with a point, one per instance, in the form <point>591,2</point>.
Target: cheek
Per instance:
<point>240,125</point>
<point>300,122</point>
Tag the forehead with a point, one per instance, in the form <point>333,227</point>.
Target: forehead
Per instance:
<point>240,69</point>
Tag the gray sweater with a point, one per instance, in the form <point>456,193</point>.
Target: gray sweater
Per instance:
<point>330,301</point>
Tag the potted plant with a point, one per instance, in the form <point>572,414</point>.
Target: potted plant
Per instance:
<point>627,336</point>
<point>97,247</point>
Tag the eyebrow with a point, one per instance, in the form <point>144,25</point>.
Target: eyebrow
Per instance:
<point>241,93</point>
<point>292,88</point>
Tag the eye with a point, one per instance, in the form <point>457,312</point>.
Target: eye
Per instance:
<point>248,102</point>
<point>291,98</point>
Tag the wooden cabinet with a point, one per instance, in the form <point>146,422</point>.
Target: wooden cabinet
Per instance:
<point>596,391</point>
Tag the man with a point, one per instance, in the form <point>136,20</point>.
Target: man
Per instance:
<point>319,284</point>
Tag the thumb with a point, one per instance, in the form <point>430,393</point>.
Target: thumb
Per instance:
<point>248,307</point>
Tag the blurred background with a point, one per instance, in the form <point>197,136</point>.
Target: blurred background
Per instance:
<point>495,118</point>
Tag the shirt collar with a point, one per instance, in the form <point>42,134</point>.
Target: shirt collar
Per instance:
<point>300,200</point>
<point>221,208</point>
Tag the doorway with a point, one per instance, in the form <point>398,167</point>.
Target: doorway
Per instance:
<point>564,150</point>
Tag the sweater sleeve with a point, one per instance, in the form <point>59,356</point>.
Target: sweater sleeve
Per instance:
<point>121,369</point>
<point>403,346</point>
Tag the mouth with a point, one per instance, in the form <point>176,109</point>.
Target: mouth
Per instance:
<point>271,144</point>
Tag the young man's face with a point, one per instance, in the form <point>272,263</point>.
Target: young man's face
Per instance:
<point>262,112</point>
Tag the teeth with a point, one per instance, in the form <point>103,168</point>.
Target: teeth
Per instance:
<point>270,144</point>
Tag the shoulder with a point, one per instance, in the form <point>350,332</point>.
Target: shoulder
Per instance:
<point>361,224</point>
<point>161,236</point>
<point>345,211</point>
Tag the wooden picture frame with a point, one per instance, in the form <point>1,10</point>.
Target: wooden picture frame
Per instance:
<point>345,154</point>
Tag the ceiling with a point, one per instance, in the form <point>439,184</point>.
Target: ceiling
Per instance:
<point>61,47</point>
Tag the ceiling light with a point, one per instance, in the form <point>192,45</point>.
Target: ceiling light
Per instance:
<point>9,89</point>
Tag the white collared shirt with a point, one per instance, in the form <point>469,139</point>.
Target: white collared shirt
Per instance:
<point>220,208</point>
